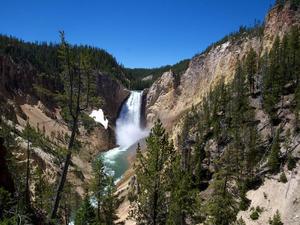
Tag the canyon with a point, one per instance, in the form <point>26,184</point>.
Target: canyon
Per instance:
<point>29,96</point>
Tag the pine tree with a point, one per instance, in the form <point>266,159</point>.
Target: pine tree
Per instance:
<point>274,157</point>
<point>99,183</point>
<point>239,117</point>
<point>152,169</point>
<point>28,134</point>
<point>251,69</point>
<point>199,157</point>
<point>182,197</point>
<point>279,2</point>
<point>5,203</point>
<point>295,4</point>
<point>77,77</point>
<point>110,203</point>
<point>273,80</point>
<point>68,202</point>
<point>221,208</point>
<point>40,188</point>
<point>85,215</point>
<point>103,189</point>
<point>239,102</point>
<point>240,221</point>
<point>293,46</point>
<point>276,220</point>
<point>251,144</point>
<point>8,135</point>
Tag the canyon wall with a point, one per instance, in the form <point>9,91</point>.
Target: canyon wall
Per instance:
<point>168,101</point>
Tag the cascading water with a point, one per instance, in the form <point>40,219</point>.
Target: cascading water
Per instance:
<point>128,132</point>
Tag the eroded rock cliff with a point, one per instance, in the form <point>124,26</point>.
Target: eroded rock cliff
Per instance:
<point>168,102</point>
<point>21,103</point>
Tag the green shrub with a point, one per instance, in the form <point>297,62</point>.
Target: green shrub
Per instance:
<point>88,123</point>
<point>254,215</point>
<point>259,209</point>
<point>276,220</point>
<point>274,156</point>
<point>291,162</point>
<point>283,178</point>
<point>240,221</point>
<point>244,203</point>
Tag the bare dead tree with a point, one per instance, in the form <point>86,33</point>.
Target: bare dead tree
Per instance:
<point>77,78</point>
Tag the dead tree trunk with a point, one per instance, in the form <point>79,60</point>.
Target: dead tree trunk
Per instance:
<point>65,170</point>
<point>27,195</point>
<point>76,87</point>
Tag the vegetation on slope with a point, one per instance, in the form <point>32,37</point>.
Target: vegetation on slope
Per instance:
<point>222,150</point>
<point>143,78</point>
<point>44,57</point>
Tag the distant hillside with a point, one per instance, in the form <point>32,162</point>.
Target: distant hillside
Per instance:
<point>44,56</point>
<point>138,76</point>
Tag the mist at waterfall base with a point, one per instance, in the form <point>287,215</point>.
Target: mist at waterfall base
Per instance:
<point>128,132</point>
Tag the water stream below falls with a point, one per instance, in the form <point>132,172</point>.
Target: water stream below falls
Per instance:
<point>128,132</point>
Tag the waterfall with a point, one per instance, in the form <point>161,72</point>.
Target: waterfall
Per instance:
<point>128,132</point>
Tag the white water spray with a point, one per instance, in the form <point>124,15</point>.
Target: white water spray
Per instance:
<point>128,132</point>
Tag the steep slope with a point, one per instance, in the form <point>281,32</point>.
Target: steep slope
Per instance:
<point>230,135</point>
<point>167,100</point>
<point>30,95</point>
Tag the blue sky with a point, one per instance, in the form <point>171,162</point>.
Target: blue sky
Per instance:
<point>139,33</point>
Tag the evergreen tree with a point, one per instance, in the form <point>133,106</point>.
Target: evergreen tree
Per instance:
<point>295,4</point>
<point>28,134</point>
<point>103,189</point>
<point>152,169</point>
<point>240,221</point>
<point>239,114</point>
<point>251,69</point>
<point>5,203</point>
<point>182,196</point>
<point>276,220</point>
<point>273,80</point>
<point>110,203</point>
<point>274,156</point>
<point>40,188</point>
<point>85,215</point>
<point>221,208</point>
<point>77,77</point>
<point>293,46</point>
<point>279,2</point>
<point>239,101</point>
<point>68,202</point>
<point>200,155</point>
<point>99,183</point>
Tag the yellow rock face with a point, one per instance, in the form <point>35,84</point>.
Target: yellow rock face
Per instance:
<point>168,103</point>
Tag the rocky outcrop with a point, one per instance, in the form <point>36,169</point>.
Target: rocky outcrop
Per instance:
<point>168,102</point>
<point>21,104</point>
<point>113,94</point>
<point>161,99</point>
<point>278,22</point>
<point>143,109</point>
